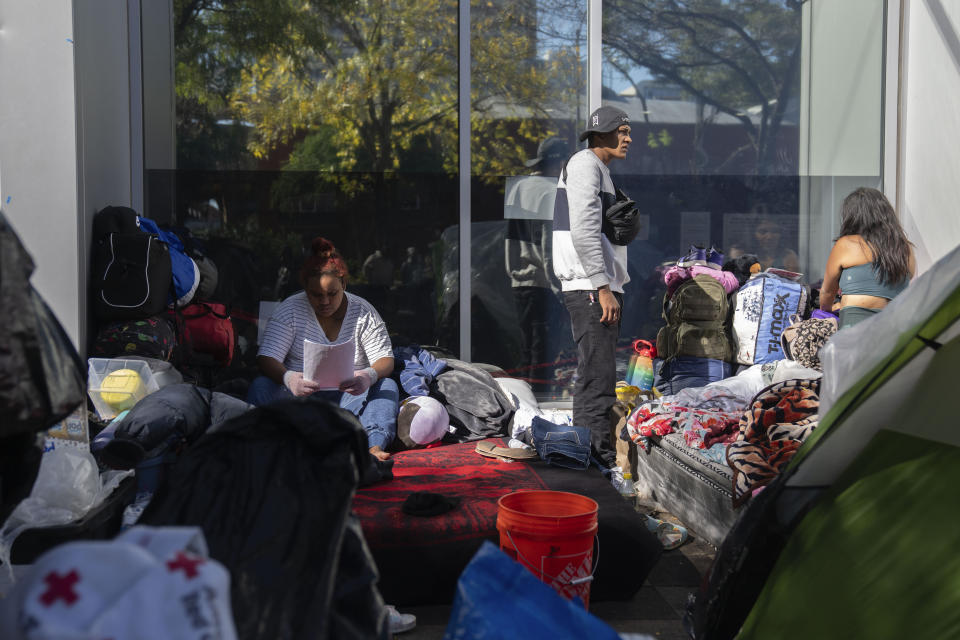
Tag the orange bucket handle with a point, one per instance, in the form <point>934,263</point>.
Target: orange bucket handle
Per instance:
<point>573,582</point>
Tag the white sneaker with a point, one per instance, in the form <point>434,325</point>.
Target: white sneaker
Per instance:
<point>623,485</point>
<point>400,622</point>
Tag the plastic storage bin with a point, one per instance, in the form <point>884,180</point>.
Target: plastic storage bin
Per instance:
<point>116,384</point>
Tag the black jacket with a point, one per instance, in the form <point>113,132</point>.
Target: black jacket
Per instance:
<point>167,420</point>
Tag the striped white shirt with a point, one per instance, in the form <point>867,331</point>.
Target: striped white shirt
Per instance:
<point>294,319</point>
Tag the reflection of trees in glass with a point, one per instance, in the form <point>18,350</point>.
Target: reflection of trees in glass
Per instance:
<point>739,57</point>
<point>562,35</point>
<point>214,41</point>
<point>359,85</point>
<point>511,115</point>
<point>385,74</point>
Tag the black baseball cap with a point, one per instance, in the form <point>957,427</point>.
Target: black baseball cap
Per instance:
<point>604,120</point>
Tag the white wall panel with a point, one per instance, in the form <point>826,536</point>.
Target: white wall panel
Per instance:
<point>65,136</point>
<point>103,119</point>
<point>929,199</point>
<point>841,116</point>
<point>38,146</point>
<point>842,82</point>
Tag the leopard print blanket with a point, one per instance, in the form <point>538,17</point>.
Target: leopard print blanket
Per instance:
<point>801,341</point>
<point>771,430</point>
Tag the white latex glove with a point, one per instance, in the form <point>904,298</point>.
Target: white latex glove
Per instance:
<point>361,381</point>
<point>294,381</point>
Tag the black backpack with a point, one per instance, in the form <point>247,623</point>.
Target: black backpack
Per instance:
<point>150,337</point>
<point>113,219</point>
<point>131,276</point>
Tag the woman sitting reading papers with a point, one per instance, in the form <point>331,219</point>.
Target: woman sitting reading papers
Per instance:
<point>342,341</point>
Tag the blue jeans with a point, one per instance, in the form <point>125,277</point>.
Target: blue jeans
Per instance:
<point>376,408</point>
<point>561,445</point>
<point>594,391</point>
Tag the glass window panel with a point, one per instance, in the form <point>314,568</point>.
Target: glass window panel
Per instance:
<point>714,92</point>
<point>528,73</point>
<point>296,120</point>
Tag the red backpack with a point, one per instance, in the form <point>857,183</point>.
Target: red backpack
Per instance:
<point>206,328</point>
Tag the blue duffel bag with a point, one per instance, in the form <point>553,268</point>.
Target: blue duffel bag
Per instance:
<point>688,371</point>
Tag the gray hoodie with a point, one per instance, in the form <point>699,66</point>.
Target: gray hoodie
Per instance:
<point>583,257</point>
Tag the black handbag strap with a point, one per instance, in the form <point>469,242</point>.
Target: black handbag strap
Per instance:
<point>210,310</point>
<point>207,310</point>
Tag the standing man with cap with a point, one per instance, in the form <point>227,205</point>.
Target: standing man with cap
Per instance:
<point>592,272</point>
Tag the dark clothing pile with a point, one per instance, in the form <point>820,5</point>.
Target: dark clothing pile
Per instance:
<point>166,421</point>
<point>272,489</point>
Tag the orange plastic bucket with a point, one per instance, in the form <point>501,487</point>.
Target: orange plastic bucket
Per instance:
<point>551,533</point>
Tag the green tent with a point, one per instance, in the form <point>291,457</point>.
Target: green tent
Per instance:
<point>859,537</point>
<point>878,556</point>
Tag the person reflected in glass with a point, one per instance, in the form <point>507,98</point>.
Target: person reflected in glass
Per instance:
<point>378,269</point>
<point>871,261</point>
<point>412,269</point>
<point>769,243</point>
<point>325,312</point>
<point>528,208</point>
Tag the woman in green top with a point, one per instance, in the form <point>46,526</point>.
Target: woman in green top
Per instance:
<point>871,261</point>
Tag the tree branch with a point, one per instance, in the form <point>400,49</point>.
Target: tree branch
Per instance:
<point>733,65</point>
<point>666,71</point>
<point>736,28</point>
<point>190,10</point>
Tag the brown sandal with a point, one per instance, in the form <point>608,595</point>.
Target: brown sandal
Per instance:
<point>490,450</point>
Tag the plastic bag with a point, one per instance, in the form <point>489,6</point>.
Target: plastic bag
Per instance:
<point>41,376</point>
<point>68,486</point>
<point>498,598</point>
<point>68,481</point>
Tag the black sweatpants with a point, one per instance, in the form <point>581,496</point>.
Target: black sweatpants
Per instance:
<point>594,391</point>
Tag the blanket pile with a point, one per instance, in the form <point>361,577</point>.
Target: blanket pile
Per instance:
<point>771,431</point>
<point>707,430</point>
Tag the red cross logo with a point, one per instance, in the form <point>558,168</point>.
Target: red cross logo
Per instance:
<point>60,587</point>
<point>186,562</point>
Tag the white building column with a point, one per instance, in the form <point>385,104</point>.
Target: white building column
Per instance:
<point>65,136</point>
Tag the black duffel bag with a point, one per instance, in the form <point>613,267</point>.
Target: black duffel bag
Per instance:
<point>621,220</point>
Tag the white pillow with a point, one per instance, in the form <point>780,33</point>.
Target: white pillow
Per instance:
<point>515,388</point>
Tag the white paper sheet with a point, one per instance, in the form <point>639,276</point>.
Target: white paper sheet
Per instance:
<point>328,364</point>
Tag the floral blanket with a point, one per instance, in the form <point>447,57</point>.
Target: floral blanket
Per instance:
<point>707,430</point>
<point>771,430</point>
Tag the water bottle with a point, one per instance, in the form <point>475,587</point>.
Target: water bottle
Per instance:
<point>640,370</point>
